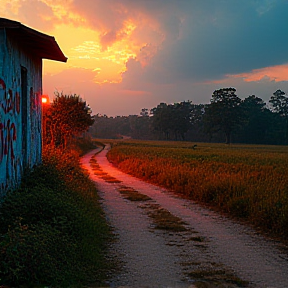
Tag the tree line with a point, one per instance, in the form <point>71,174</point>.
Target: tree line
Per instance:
<point>227,118</point>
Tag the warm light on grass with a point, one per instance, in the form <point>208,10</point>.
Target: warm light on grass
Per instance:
<point>248,181</point>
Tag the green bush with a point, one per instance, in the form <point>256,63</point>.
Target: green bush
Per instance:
<point>52,229</point>
<point>37,254</point>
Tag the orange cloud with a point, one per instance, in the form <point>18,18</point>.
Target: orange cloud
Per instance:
<point>97,35</point>
<point>275,73</point>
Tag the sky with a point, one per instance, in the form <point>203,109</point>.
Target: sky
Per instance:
<point>125,55</point>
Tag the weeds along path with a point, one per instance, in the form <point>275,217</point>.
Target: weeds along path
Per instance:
<point>165,241</point>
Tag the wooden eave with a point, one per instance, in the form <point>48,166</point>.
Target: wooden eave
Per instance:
<point>34,42</point>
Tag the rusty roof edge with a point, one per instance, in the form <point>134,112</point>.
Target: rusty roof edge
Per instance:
<point>11,24</point>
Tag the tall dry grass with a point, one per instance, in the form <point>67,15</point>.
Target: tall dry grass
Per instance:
<point>247,181</point>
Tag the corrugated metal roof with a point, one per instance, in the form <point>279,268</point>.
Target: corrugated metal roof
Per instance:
<point>34,42</point>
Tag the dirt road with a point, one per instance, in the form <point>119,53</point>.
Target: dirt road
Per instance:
<point>165,241</point>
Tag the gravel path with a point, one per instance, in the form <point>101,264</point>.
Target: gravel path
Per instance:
<point>212,251</point>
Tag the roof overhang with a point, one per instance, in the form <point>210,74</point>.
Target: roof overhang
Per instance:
<point>34,42</point>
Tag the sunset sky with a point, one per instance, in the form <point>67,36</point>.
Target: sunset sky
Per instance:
<point>125,55</point>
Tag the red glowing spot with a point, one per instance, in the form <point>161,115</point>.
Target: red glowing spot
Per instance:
<point>45,99</point>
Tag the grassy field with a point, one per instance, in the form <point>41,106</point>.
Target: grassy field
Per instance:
<point>246,181</point>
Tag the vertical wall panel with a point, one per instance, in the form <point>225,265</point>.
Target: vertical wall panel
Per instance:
<point>14,107</point>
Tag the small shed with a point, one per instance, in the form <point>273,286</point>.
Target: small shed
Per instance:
<point>21,52</point>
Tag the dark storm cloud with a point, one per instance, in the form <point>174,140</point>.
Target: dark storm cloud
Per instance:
<point>228,38</point>
<point>203,40</point>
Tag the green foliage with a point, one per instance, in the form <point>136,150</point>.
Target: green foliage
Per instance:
<point>279,102</point>
<point>67,116</point>
<point>257,121</point>
<point>52,229</point>
<point>117,127</point>
<point>172,119</point>
<point>247,121</point>
<point>224,113</point>
<point>84,145</point>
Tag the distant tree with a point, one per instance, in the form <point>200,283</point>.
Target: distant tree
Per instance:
<point>181,119</point>
<point>140,126</point>
<point>172,120</point>
<point>224,113</point>
<point>134,126</point>
<point>197,113</point>
<point>67,116</point>
<point>279,102</point>
<point>196,131</point>
<point>104,127</point>
<point>144,112</point>
<point>256,120</point>
<point>161,120</point>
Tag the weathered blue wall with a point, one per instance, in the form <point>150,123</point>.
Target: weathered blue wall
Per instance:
<point>20,116</point>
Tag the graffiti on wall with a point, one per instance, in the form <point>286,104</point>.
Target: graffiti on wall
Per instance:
<point>9,104</point>
<point>35,104</point>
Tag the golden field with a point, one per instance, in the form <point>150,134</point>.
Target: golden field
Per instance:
<point>247,181</point>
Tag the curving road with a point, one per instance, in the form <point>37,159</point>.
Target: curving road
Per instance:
<point>212,251</point>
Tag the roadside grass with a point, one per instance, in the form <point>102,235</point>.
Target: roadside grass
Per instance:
<point>163,219</point>
<point>110,179</point>
<point>100,173</point>
<point>52,229</point>
<point>246,181</point>
<point>210,274</point>
<point>132,195</point>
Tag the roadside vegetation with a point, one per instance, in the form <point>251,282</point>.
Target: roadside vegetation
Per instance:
<point>53,232</point>
<point>246,181</point>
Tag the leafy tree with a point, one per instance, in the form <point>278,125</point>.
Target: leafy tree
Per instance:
<point>134,126</point>
<point>182,119</point>
<point>279,102</point>
<point>140,125</point>
<point>67,116</point>
<point>104,127</point>
<point>161,119</point>
<point>195,132</point>
<point>255,129</point>
<point>224,113</point>
<point>144,112</point>
<point>172,120</point>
